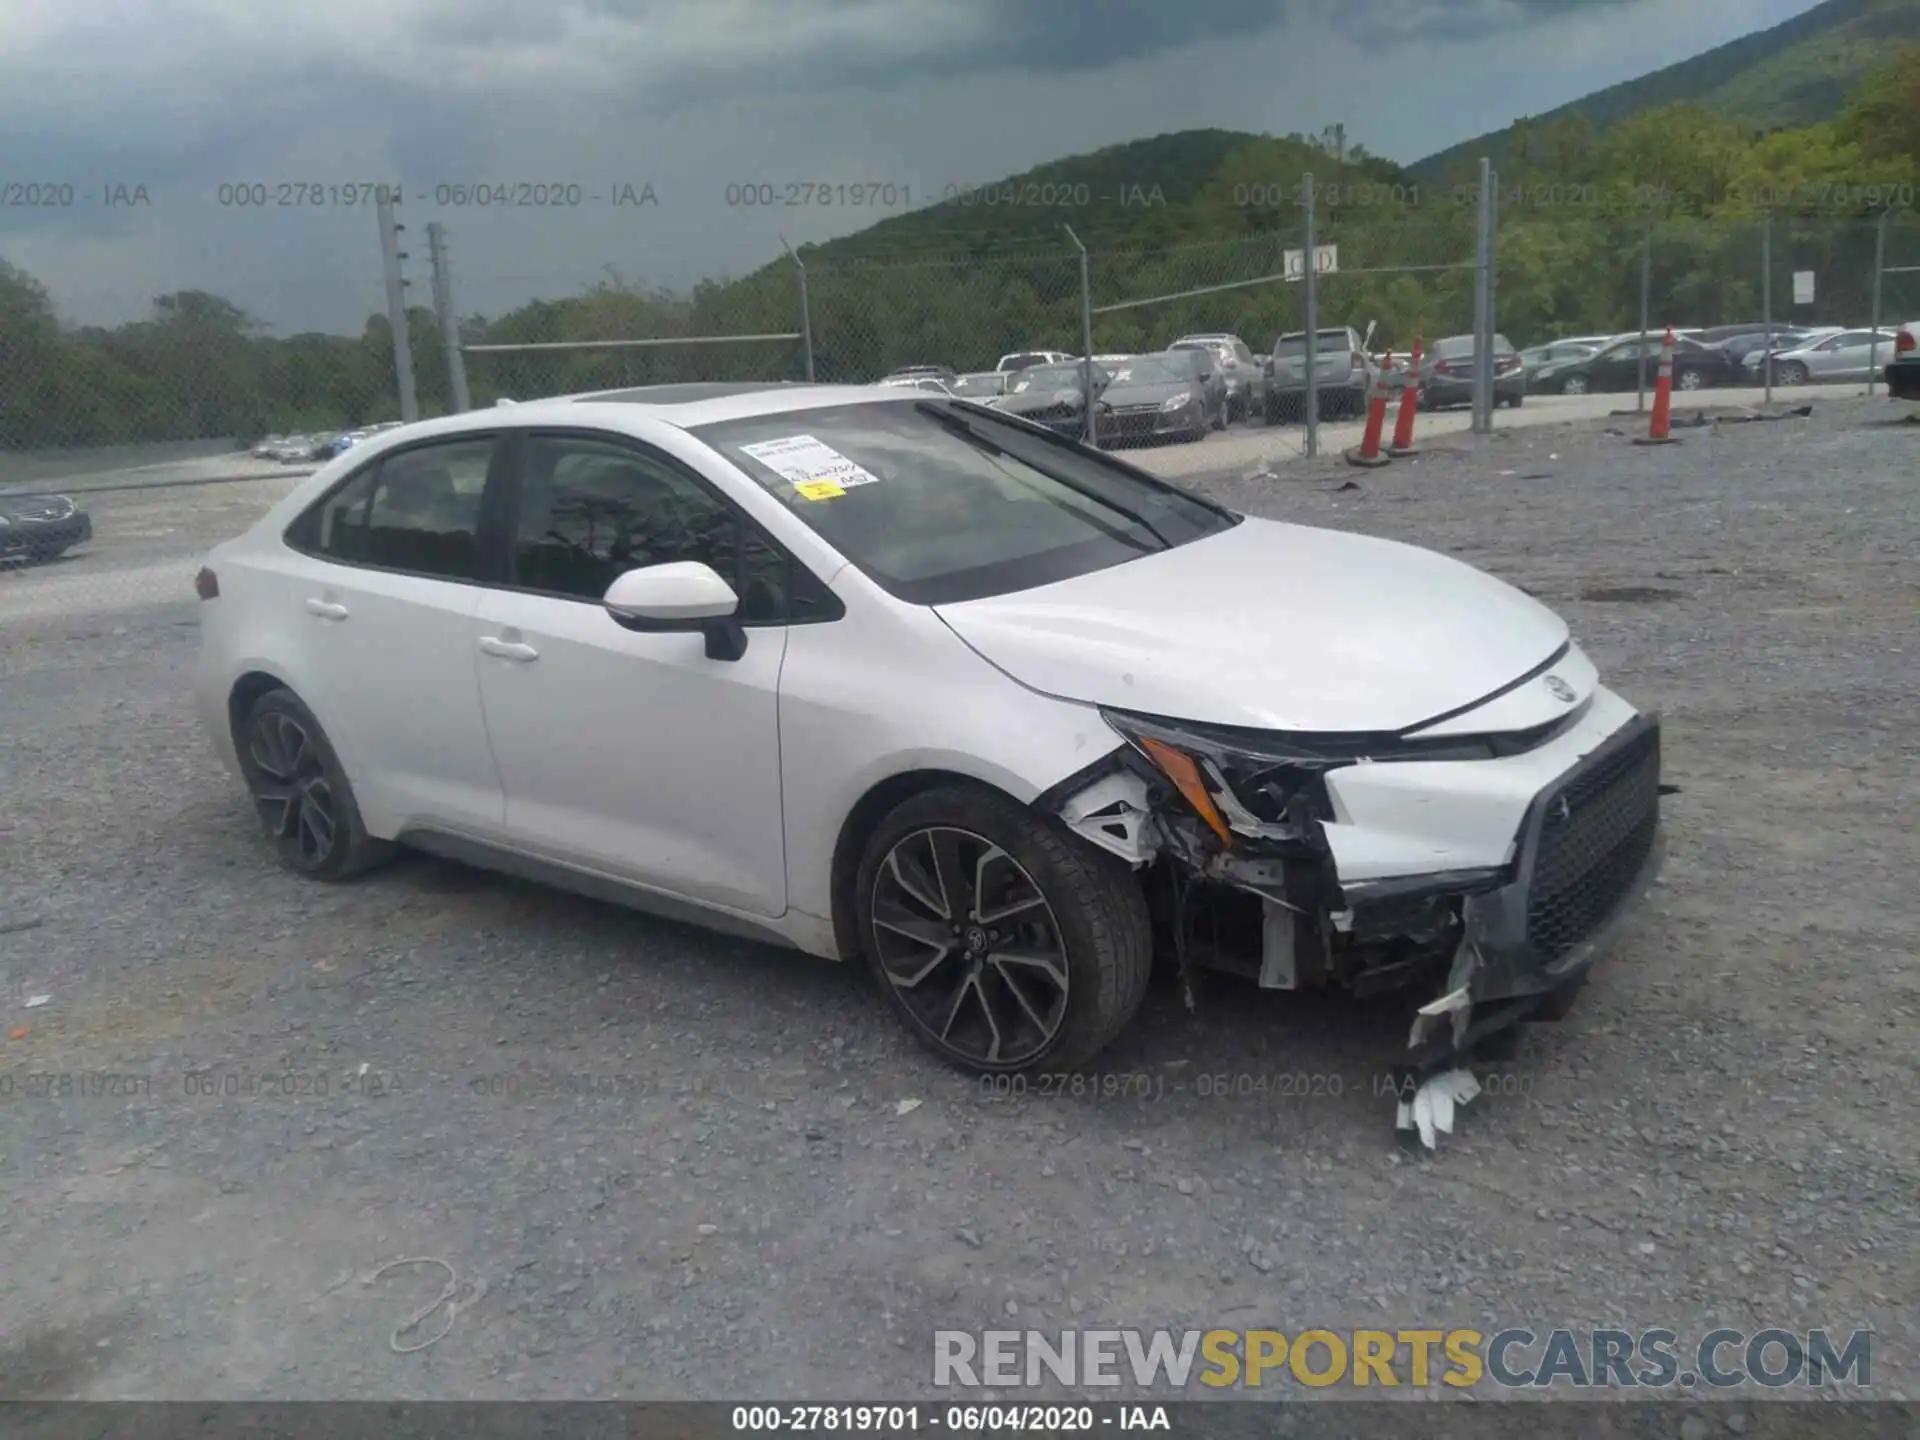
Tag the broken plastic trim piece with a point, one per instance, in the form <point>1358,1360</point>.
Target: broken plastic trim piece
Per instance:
<point>1114,812</point>
<point>1432,1107</point>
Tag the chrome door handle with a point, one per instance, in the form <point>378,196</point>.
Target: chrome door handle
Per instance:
<point>507,649</point>
<point>326,610</point>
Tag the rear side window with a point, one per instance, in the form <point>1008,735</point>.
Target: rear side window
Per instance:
<point>417,512</point>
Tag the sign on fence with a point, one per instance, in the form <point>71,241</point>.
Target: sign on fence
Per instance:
<point>1803,287</point>
<point>1326,261</point>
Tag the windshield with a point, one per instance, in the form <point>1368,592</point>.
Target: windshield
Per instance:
<point>1149,372</point>
<point>1052,377</point>
<point>939,503</point>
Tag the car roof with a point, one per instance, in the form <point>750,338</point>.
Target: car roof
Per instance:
<point>683,406</point>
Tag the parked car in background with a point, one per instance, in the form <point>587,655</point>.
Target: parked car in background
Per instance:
<point>1111,360</point>
<point>1845,355</point>
<point>1240,368</point>
<point>1745,349</point>
<point>1903,371</point>
<point>1053,395</point>
<point>1153,397</point>
<point>1204,365</point>
<point>986,386</point>
<point>265,448</point>
<point>894,681</point>
<point>1446,376</point>
<point>1615,368</point>
<point>1750,356</point>
<point>916,372</point>
<point>295,450</point>
<point>918,382</point>
<point>1345,371</point>
<point>37,528</point>
<point>1023,359</point>
<point>1537,357</point>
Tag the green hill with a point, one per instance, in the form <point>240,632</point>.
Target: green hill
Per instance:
<point>1798,73</point>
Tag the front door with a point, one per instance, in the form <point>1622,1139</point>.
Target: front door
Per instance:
<point>634,755</point>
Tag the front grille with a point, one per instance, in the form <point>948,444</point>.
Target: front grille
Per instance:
<point>1594,838</point>
<point>1130,420</point>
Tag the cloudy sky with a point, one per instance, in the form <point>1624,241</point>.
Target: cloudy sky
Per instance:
<point>184,97</point>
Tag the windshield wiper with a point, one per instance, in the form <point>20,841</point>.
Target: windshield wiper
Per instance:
<point>959,426</point>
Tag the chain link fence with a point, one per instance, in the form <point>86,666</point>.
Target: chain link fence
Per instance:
<point>146,418</point>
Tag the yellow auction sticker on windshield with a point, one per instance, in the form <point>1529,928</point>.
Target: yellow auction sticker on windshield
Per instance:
<point>803,461</point>
<point>817,489</point>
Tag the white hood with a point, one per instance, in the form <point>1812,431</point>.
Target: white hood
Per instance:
<point>1273,627</point>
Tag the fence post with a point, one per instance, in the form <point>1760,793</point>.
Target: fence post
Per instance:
<point>806,310</point>
<point>1482,288</point>
<point>1646,306</point>
<point>1879,271</point>
<point>449,319</point>
<point>1310,291</point>
<point>1766,297</point>
<point>390,257</point>
<point>1091,423</point>
<point>1493,290</point>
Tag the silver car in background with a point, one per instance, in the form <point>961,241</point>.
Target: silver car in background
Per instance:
<point>983,386</point>
<point>1344,373</point>
<point>1834,359</point>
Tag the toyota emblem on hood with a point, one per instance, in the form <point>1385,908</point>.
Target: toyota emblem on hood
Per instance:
<point>1560,690</point>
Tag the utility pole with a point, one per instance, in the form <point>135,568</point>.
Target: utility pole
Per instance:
<point>449,319</point>
<point>391,255</point>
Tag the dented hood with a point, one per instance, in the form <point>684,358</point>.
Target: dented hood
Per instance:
<point>1273,627</point>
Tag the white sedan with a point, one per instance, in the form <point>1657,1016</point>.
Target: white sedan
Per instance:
<point>894,678</point>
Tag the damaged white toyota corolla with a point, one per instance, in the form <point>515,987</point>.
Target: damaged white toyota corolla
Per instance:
<point>907,679</point>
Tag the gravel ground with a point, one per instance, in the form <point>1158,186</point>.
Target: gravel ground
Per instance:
<point>662,1164</point>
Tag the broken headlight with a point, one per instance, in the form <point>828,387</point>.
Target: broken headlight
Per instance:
<point>1266,782</point>
<point>1245,781</point>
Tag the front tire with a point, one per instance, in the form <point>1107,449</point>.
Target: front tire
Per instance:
<point>1792,373</point>
<point>1574,385</point>
<point>301,793</point>
<point>1006,944</point>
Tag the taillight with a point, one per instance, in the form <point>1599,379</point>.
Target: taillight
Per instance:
<point>1905,343</point>
<point>206,584</point>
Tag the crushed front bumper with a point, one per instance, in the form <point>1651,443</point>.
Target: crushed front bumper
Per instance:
<point>1485,886</point>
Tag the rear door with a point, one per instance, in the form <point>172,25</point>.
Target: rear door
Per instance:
<point>381,589</point>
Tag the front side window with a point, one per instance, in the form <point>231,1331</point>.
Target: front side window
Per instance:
<point>590,510</point>
<point>416,511</point>
<point>939,503</point>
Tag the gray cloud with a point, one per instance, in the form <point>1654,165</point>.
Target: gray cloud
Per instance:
<point>692,94</point>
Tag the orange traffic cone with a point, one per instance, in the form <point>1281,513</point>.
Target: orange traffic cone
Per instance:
<point>1409,403</point>
<point>1659,428</point>
<point>1369,452</point>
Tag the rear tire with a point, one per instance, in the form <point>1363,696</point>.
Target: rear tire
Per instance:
<point>302,795</point>
<point>1005,944</point>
